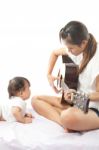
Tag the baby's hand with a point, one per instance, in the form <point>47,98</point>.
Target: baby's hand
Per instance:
<point>28,120</point>
<point>29,115</point>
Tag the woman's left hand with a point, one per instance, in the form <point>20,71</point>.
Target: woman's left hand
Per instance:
<point>68,94</point>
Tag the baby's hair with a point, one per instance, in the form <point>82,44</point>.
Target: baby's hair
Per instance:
<point>16,85</point>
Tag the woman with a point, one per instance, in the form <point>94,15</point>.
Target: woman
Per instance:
<point>82,47</point>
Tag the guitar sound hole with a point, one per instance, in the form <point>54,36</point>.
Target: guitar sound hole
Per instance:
<point>71,75</point>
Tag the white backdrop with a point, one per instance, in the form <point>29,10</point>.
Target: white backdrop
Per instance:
<point>29,32</point>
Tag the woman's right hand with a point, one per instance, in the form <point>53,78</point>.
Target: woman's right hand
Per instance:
<point>51,80</point>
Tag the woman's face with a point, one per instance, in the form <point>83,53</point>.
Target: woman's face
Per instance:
<point>76,49</point>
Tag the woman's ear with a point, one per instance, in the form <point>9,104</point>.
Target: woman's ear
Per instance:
<point>83,44</point>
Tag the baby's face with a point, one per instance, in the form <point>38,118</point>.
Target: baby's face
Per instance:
<point>26,93</point>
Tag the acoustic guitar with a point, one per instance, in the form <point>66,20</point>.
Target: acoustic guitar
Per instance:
<point>70,81</point>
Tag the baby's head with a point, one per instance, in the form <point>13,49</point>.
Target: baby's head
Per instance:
<point>20,87</point>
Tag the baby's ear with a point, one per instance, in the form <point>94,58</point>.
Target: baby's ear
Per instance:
<point>21,93</point>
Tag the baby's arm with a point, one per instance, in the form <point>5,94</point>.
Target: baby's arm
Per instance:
<point>16,111</point>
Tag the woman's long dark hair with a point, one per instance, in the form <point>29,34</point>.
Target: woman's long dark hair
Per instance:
<point>74,33</point>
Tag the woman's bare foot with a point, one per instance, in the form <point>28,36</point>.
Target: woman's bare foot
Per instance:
<point>69,131</point>
<point>66,130</point>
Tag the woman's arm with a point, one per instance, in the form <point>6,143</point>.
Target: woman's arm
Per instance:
<point>53,59</point>
<point>95,96</point>
<point>16,111</point>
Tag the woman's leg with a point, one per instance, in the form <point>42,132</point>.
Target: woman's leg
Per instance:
<point>49,107</point>
<point>75,119</point>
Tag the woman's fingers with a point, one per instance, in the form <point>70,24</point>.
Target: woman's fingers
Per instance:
<point>68,94</point>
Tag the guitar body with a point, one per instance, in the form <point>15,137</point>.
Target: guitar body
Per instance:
<point>71,74</point>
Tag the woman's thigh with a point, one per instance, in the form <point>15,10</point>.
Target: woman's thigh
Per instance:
<point>90,120</point>
<point>76,119</point>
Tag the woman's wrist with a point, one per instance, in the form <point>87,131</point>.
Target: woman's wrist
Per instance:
<point>49,75</point>
<point>89,96</point>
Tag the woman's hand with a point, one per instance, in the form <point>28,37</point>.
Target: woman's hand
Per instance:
<point>68,95</point>
<point>51,80</point>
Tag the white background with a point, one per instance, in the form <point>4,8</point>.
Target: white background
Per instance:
<point>29,32</point>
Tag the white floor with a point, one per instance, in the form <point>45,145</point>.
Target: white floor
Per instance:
<point>44,134</point>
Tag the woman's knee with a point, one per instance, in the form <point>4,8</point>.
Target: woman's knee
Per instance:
<point>34,101</point>
<point>69,117</point>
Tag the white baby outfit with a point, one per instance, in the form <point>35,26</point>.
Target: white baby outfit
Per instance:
<point>13,102</point>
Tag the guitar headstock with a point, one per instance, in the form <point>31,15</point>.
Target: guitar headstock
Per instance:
<point>81,101</point>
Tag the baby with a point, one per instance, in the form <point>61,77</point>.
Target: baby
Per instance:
<point>15,110</point>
